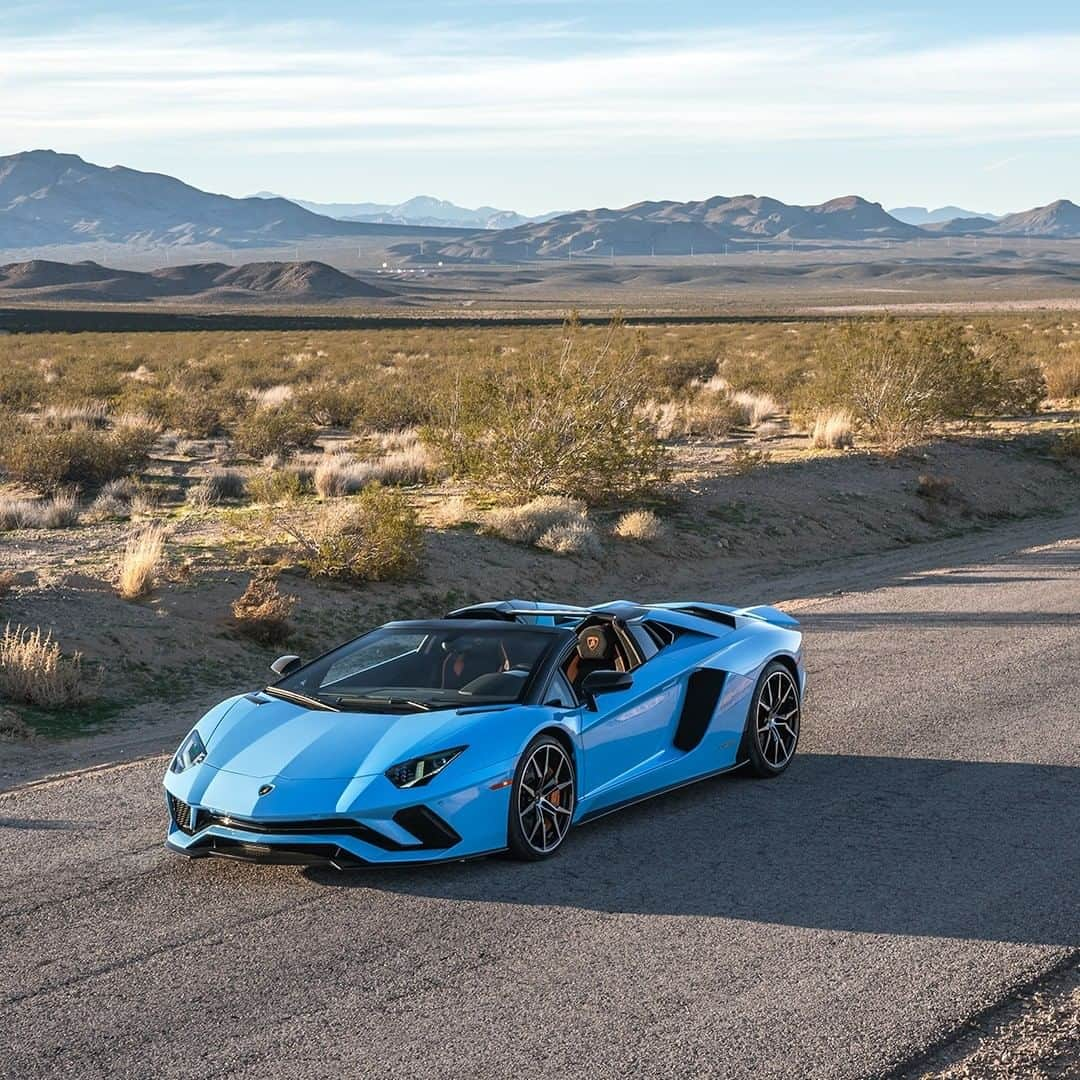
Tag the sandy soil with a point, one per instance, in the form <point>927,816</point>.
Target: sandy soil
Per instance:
<point>795,526</point>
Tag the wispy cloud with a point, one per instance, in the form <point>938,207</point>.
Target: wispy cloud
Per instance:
<point>297,87</point>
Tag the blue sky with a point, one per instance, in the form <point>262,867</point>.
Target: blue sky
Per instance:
<point>553,105</point>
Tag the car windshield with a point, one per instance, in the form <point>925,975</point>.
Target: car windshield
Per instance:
<point>417,668</point>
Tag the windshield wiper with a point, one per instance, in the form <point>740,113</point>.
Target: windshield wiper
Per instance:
<point>300,699</point>
<point>345,699</point>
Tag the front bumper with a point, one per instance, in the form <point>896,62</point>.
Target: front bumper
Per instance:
<point>365,821</point>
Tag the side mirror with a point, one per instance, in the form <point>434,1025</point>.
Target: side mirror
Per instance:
<point>285,665</point>
<point>604,682</point>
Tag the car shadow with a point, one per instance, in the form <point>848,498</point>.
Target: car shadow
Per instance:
<point>877,845</point>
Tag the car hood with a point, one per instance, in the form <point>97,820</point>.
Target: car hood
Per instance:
<point>263,736</point>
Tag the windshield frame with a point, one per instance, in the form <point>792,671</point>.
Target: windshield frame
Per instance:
<point>530,694</point>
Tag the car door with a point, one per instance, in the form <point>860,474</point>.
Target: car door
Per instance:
<point>628,734</point>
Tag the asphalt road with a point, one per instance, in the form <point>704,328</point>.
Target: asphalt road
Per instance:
<point>919,859</point>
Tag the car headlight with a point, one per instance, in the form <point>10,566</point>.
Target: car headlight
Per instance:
<point>192,751</point>
<point>418,771</point>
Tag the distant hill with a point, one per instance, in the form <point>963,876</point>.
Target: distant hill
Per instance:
<point>421,210</point>
<point>49,199</point>
<point>41,279</point>
<point>920,215</point>
<point>673,228</point>
<point>1060,219</point>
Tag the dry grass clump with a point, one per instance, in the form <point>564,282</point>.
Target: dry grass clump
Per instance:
<point>525,524</point>
<point>754,408</point>
<point>59,512</point>
<point>34,671</point>
<point>271,397</point>
<point>1063,378</point>
<point>642,525</point>
<point>139,565</point>
<point>94,414</point>
<point>216,488</point>
<point>833,429</point>
<point>374,537</point>
<point>576,537</point>
<point>262,612</point>
<point>340,474</point>
<point>450,512</point>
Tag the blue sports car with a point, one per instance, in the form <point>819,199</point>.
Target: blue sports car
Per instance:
<point>493,729</point>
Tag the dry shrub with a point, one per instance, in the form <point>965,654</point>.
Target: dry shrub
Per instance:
<point>265,431</point>
<point>937,489</point>
<point>525,524</point>
<point>45,458</point>
<point>833,430</point>
<point>139,565</point>
<point>272,486</point>
<point>59,512</point>
<point>641,525</point>
<point>374,537</point>
<point>1066,446</point>
<point>12,726</point>
<point>576,537</point>
<point>34,671</point>
<point>742,460</point>
<point>262,612</point>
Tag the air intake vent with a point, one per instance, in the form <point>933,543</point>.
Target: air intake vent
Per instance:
<point>702,693</point>
<point>181,814</point>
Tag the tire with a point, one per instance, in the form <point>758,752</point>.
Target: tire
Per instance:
<point>542,800</point>
<point>773,723</point>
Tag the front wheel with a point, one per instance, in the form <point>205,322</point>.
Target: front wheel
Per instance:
<point>542,800</point>
<point>772,728</point>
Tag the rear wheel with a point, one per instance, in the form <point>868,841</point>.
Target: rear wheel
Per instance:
<point>542,800</point>
<point>772,728</point>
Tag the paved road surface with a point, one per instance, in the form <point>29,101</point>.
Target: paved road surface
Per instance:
<point>919,859</point>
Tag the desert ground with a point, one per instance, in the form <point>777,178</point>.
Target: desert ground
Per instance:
<point>178,508</point>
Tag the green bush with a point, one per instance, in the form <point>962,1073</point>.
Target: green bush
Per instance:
<point>375,536</point>
<point>46,459</point>
<point>266,431</point>
<point>900,383</point>
<point>565,424</point>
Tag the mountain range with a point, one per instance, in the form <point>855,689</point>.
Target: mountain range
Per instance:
<point>421,210</point>
<point>43,279</point>
<point>920,215</point>
<point>50,200</point>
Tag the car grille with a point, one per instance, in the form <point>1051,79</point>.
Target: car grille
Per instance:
<point>181,814</point>
<point>432,832</point>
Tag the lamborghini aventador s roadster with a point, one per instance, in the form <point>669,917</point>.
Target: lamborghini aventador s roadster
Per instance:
<point>495,728</point>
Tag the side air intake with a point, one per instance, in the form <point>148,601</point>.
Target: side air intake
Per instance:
<point>702,693</point>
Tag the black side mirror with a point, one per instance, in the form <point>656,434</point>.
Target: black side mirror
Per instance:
<point>604,682</point>
<point>285,665</point>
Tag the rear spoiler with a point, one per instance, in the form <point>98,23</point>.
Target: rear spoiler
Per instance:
<point>770,615</point>
<point>728,615</point>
